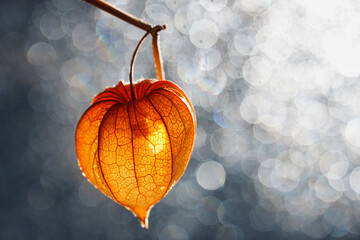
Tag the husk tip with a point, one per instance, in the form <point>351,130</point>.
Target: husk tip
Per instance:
<point>143,215</point>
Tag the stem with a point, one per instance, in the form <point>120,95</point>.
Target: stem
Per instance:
<point>140,24</point>
<point>153,30</point>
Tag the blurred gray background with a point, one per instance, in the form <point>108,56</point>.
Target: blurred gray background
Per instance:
<point>275,86</point>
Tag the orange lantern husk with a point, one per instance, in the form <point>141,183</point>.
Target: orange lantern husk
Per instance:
<point>135,150</point>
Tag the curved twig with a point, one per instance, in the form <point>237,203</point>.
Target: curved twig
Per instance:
<point>155,29</point>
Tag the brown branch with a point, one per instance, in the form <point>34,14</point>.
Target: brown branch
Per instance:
<point>120,14</point>
<point>140,24</point>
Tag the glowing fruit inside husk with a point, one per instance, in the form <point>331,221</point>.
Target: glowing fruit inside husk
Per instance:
<point>135,150</point>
